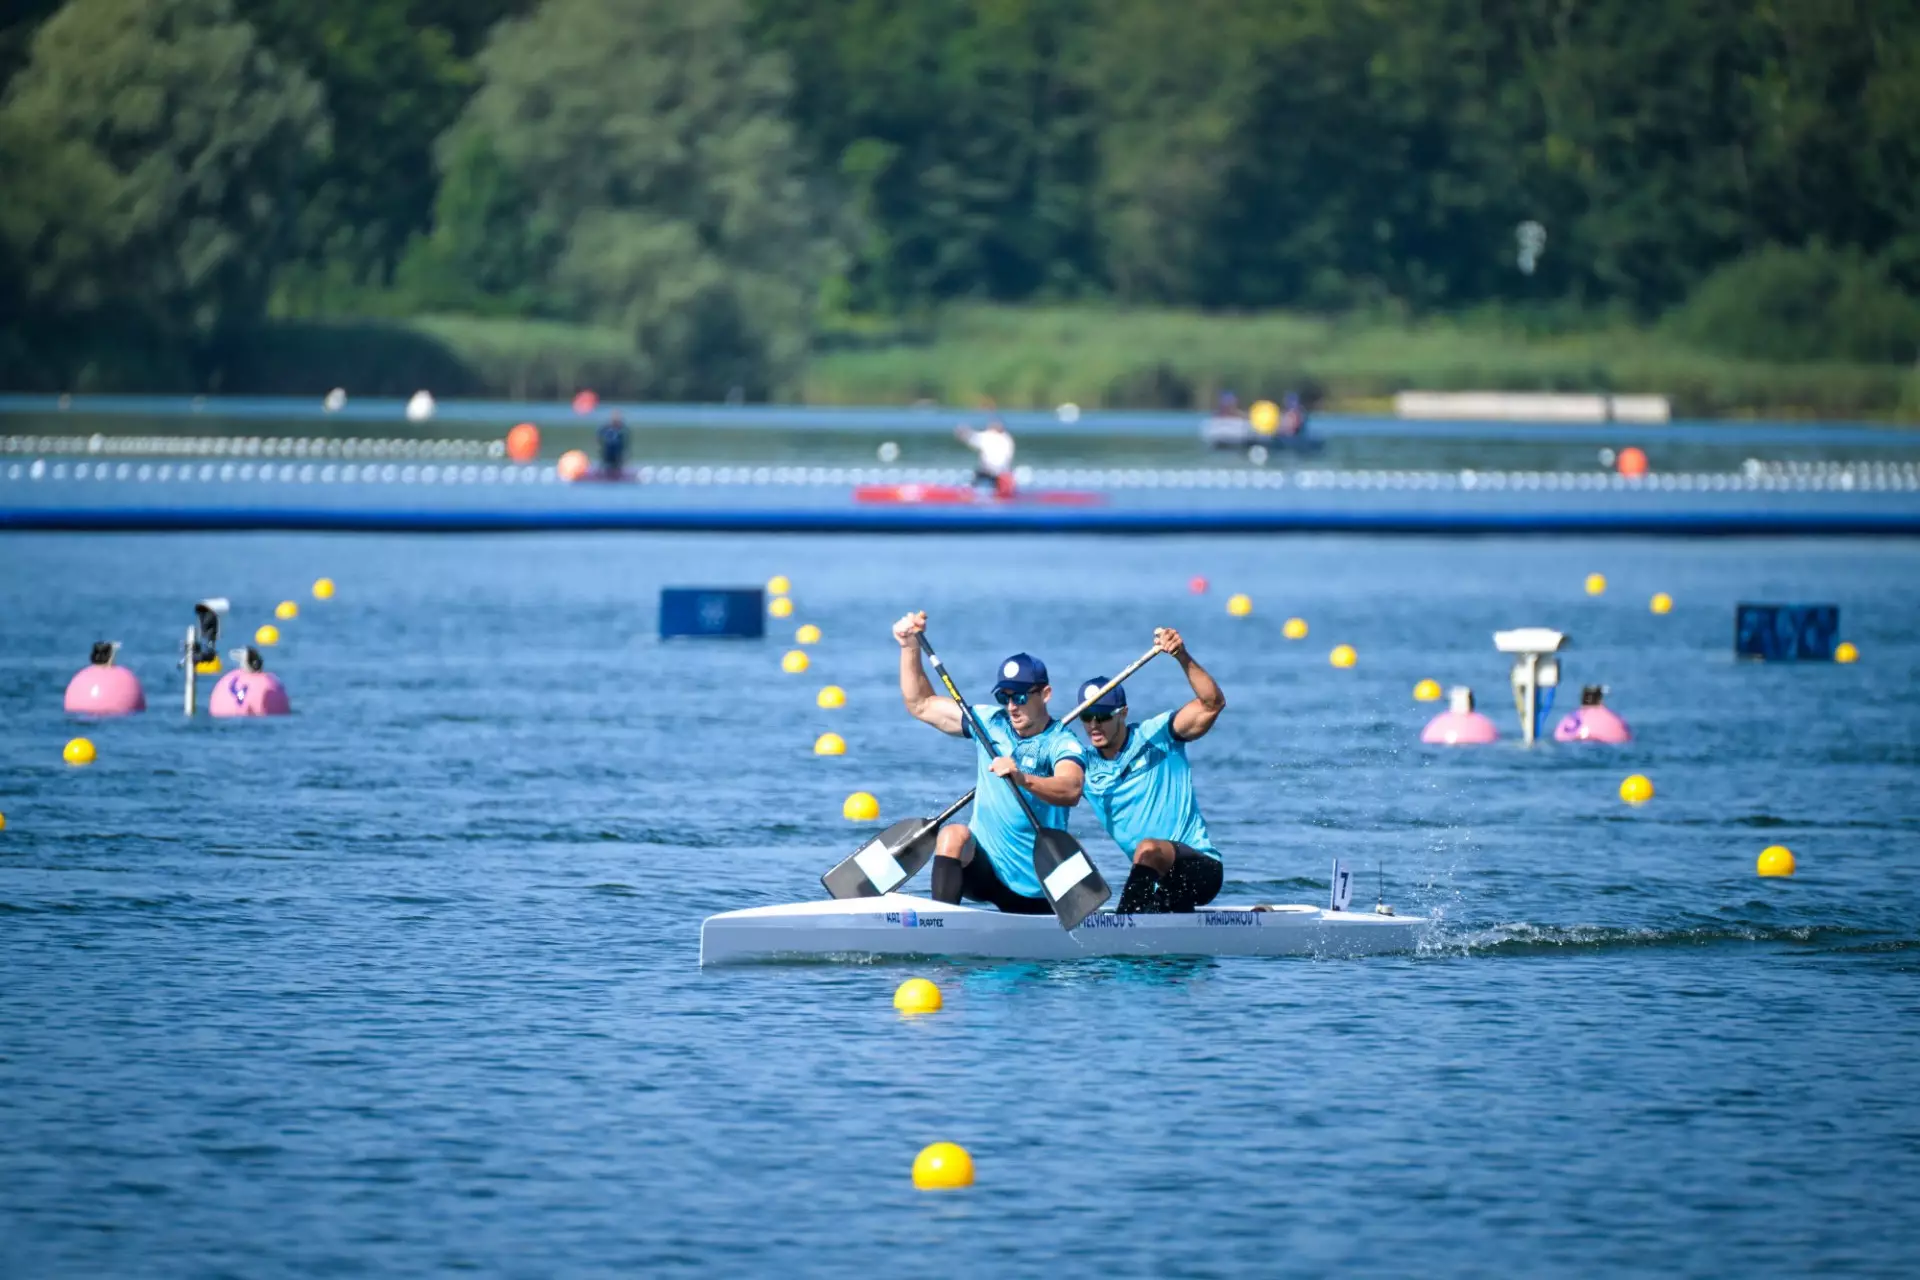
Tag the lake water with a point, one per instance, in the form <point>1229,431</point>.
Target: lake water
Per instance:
<point>408,981</point>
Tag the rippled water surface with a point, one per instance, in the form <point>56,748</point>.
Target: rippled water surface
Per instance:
<point>408,982</point>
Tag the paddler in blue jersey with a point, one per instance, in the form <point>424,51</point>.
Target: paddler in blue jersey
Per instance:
<point>1141,788</point>
<point>989,858</point>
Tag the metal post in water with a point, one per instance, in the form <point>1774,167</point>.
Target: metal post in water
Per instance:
<point>192,633</point>
<point>1531,645</point>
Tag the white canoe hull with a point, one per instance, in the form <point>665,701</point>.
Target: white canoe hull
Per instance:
<point>901,925</point>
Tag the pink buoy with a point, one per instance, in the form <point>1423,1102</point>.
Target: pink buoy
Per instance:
<point>248,690</point>
<point>1459,725</point>
<point>1593,722</point>
<point>102,689</point>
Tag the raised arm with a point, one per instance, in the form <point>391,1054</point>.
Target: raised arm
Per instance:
<point>915,689</point>
<point>1196,717</point>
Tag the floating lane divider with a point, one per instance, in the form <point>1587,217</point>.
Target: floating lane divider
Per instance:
<point>255,446</point>
<point>1880,477</point>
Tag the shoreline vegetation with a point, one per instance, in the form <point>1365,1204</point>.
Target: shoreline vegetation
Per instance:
<point>1095,357</point>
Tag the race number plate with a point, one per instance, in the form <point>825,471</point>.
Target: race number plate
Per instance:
<point>1342,887</point>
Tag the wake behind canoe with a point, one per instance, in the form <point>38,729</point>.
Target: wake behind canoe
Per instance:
<point>898,924</point>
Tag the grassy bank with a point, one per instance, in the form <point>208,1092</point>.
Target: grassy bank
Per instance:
<point>1021,357</point>
<point>1039,357</point>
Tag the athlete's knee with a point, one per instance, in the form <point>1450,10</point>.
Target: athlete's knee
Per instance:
<point>1157,855</point>
<point>953,841</point>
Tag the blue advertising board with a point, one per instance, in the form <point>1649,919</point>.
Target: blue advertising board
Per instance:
<point>713,613</point>
<point>1786,632</point>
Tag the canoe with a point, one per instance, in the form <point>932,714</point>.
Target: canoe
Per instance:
<point>898,924</point>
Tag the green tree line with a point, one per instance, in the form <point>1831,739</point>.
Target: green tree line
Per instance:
<point>720,183</point>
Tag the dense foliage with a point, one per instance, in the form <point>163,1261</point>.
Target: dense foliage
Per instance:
<point>712,180</point>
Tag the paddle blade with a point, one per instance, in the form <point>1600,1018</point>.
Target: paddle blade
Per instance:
<point>1072,882</point>
<point>883,863</point>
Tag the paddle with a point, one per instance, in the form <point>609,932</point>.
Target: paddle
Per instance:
<point>891,858</point>
<point>1067,875</point>
<point>896,855</point>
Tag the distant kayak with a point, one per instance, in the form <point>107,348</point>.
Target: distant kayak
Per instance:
<point>963,495</point>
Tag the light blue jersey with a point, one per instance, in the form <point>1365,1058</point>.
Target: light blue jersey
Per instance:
<point>1146,792</point>
<point>998,823</point>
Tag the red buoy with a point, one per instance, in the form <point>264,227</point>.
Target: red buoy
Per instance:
<point>523,442</point>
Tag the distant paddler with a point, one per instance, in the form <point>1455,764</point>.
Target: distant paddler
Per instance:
<point>993,447</point>
<point>1139,785</point>
<point>1293,415</point>
<point>989,858</point>
<point>613,447</point>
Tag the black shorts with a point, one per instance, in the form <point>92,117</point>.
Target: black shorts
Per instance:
<point>1191,882</point>
<point>979,881</point>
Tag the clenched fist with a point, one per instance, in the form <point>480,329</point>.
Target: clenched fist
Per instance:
<point>907,630</point>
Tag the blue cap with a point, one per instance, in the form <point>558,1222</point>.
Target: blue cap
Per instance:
<point>1114,699</point>
<point>1021,672</point>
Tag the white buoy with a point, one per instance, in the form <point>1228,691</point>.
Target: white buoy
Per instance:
<point>420,407</point>
<point>889,451</point>
<point>336,400</point>
<point>1068,412</point>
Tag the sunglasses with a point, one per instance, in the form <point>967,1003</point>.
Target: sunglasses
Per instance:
<point>1008,698</point>
<point>1098,717</point>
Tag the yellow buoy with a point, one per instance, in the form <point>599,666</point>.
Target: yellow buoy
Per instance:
<point>1295,629</point>
<point>211,667</point>
<point>268,634</point>
<point>780,607</point>
<point>1846,652</point>
<point>829,744</point>
<point>3,822</point>
<point>778,585</point>
<point>917,995</point>
<point>943,1167</point>
<point>1661,603</point>
<point>860,807</point>
<point>1343,656</point>
<point>78,752</point>
<point>1636,789</point>
<point>1239,606</point>
<point>794,662</point>
<point>1596,583</point>
<point>1264,417</point>
<point>1427,691</point>
<point>286,609</point>
<point>323,588</point>
<point>1775,860</point>
<point>807,634</point>
<point>830,697</point>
